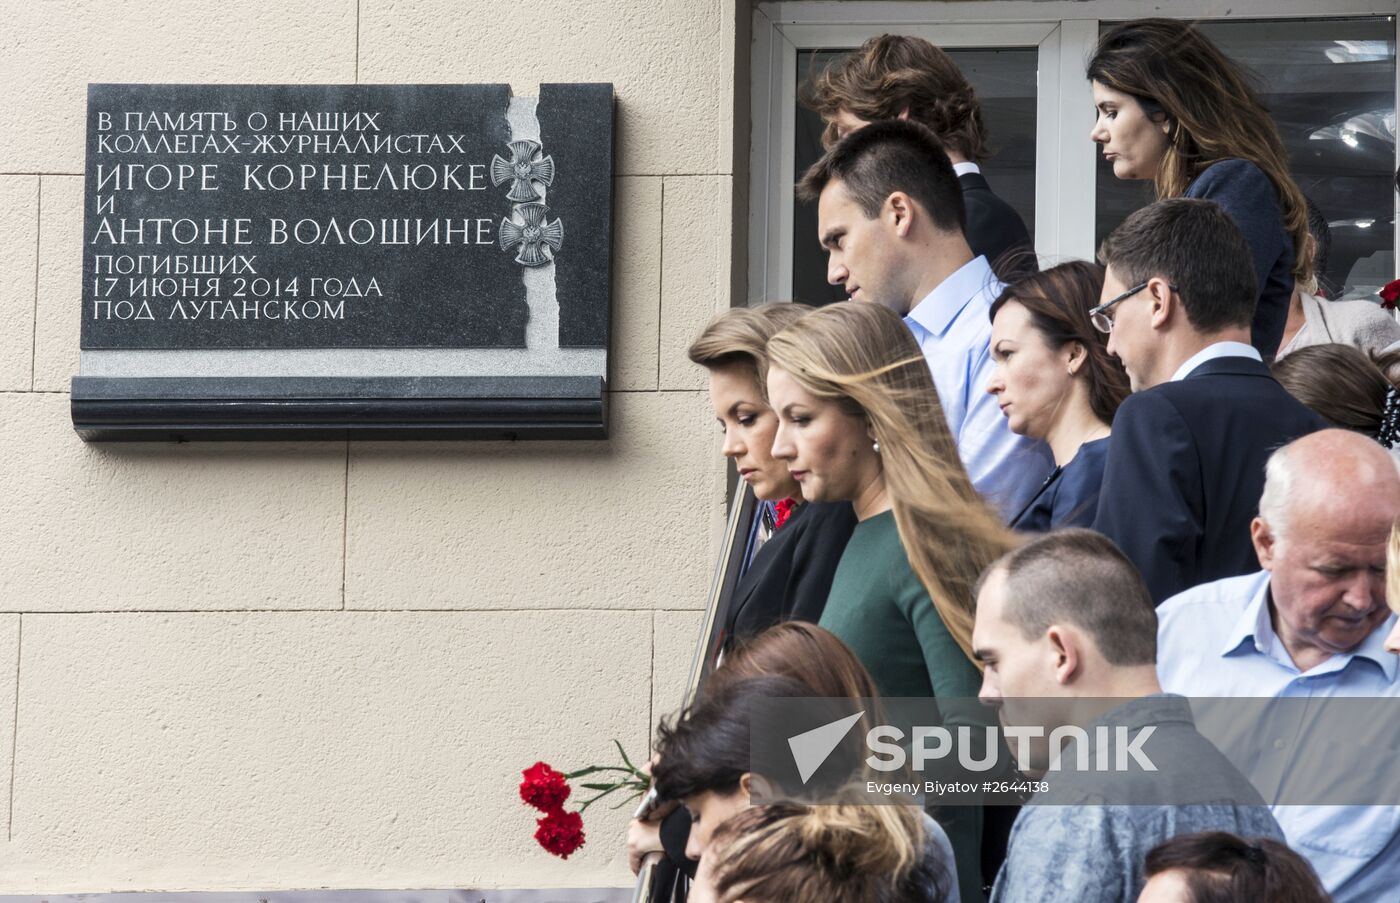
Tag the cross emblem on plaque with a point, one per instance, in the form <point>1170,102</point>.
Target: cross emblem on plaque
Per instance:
<point>532,235</point>
<point>527,164</point>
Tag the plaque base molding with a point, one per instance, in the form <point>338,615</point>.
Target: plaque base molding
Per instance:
<point>145,409</point>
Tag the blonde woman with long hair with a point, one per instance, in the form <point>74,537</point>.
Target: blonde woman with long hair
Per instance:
<point>859,419</point>
<point>1174,109</point>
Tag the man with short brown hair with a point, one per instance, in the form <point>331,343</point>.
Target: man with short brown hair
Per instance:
<point>903,77</point>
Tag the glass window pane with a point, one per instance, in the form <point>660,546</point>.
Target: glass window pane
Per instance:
<point>1330,85</point>
<point>1005,82</point>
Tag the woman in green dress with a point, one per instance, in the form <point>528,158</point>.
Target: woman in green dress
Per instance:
<point>859,419</point>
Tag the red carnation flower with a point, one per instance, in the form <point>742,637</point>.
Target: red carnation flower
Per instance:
<point>1389,293</point>
<point>543,787</point>
<point>782,511</point>
<point>560,832</point>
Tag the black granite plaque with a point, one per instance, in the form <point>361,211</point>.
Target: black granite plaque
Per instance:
<point>250,223</point>
<point>340,216</point>
<point>568,117</point>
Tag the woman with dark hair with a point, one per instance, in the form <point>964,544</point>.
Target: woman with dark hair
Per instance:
<point>796,652</point>
<point>1347,387</point>
<point>1215,867</point>
<point>1174,109</point>
<point>708,761</point>
<point>1056,381</point>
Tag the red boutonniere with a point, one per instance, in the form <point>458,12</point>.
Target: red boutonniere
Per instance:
<point>782,511</point>
<point>1389,293</point>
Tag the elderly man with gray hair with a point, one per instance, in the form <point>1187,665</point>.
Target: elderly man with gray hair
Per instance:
<point>1310,626</point>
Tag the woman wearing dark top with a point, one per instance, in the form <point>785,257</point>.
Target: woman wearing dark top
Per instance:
<point>790,574</point>
<point>1174,109</point>
<point>859,420</point>
<point>1056,381</point>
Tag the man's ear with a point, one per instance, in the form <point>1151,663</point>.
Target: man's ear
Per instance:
<point>1165,302</point>
<point>899,213</point>
<point>1065,652</point>
<point>746,784</point>
<point>1265,542</point>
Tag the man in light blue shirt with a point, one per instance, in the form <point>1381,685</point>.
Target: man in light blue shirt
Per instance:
<point>1311,625</point>
<point>890,214</point>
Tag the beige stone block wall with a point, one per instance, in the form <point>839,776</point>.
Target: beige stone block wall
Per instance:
<point>19,227</point>
<point>9,700</point>
<point>324,664</point>
<point>56,327</point>
<point>308,749</point>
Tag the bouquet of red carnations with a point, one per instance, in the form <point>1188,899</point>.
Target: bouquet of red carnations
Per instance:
<point>560,831</point>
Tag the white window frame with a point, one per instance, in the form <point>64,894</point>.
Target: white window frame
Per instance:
<point>1064,31</point>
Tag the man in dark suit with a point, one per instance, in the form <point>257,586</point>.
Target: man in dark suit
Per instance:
<point>903,77</point>
<point>1186,460</point>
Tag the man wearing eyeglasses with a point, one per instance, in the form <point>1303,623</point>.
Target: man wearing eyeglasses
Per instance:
<point>1186,461</point>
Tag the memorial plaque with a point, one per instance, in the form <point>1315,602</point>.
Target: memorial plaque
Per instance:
<point>262,261</point>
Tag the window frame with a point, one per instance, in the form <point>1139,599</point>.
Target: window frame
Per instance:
<point>1064,33</point>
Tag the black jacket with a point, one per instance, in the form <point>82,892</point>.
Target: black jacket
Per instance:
<point>1186,468</point>
<point>790,576</point>
<point>993,226</point>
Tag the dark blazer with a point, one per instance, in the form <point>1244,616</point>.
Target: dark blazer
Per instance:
<point>993,226</point>
<point>1186,468</point>
<point>1069,497</point>
<point>1243,191</point>
<point>790,575</point>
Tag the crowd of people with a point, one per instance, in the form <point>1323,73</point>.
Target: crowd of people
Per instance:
<point>1166,473</point>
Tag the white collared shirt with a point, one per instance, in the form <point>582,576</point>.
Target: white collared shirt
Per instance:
<point>962,169</point>
<point>1213,351</point>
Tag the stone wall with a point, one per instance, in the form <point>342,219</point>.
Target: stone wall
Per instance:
<point>324,664</point>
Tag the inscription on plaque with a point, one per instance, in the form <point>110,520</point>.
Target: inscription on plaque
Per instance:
<point>286,216</point>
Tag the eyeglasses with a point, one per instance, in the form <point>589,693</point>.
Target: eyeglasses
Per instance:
<point>1099,315</point>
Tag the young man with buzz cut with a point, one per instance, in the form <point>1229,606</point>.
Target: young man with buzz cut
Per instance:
<point>1067,637</point>
<point>890,215</point>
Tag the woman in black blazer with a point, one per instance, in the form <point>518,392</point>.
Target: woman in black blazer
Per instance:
<point>1056,381</point>
<point>1173,108</point>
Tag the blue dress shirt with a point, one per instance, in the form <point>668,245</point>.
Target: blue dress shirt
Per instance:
<point>1218,640</point>
<point>954,332</point>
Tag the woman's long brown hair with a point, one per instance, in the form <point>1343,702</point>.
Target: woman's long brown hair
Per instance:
<point>1176,73</point>
<point>863,357</point>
